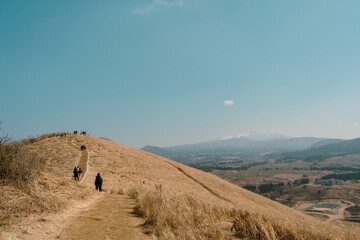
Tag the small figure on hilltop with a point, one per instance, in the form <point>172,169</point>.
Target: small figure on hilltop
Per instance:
<point>83,147</point>
<point>76,173</point>
<point>63,135</point>
<point>98,182</point>
<point>80,173</point>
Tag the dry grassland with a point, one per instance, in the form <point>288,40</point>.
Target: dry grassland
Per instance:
<point>191,204</point>
<point>51,190</point>
<point>197,200</point>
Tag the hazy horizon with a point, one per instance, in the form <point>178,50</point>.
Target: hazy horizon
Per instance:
<point>175,72</point>
<point>236,136</point>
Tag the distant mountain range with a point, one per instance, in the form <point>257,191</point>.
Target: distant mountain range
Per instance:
<point>321,151</point>
<point>251,143</point>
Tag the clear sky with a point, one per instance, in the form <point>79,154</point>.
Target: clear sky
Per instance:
<point>158,72</point>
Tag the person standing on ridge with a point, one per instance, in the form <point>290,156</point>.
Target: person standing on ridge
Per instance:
<point>98,182</point>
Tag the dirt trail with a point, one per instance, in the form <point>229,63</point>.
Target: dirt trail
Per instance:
<point>84,158</point>
<point>101,216</point>
<point>110,218</point>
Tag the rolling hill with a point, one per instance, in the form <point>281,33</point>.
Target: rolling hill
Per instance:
<point>339,148</point>
<point>326,142</point>
<point>170,200</point>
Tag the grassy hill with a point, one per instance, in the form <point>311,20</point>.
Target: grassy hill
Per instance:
<point>190,204</point>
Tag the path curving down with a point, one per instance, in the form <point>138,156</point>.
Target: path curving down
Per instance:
<point>110,217</point>
<point>84,157</point>
<point>100,216</point>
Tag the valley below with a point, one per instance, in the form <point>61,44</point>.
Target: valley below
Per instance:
<point>317,181</point>
<point>297,184</point>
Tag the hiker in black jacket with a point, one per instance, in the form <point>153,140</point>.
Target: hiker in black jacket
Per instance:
<point>98,182</point>
<point>76,173</point>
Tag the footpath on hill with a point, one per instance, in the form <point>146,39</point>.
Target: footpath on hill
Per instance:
<point>110,218</point>
<point>101,216</point>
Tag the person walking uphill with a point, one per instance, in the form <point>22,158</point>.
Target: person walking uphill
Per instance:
<point>76,173</point>
<point>98,182</point>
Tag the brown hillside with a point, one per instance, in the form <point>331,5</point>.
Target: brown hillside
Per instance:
<point>192,204</point>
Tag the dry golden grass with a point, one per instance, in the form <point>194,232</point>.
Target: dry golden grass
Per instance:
<point>18,164</point>
<point>186,217</point>
<point>195,204</point>
<point>22,200</point>
<point>37,178</point>
<point>192,205</point>
<point>178,217</point>
<point>257,226</point>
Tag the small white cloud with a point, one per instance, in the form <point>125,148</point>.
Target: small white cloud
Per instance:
<point>159,4</point>
<point>169,3</point>
<point>143,10</point>
<point>228,103</point>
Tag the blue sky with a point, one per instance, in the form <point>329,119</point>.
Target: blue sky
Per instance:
<point>158,71</point>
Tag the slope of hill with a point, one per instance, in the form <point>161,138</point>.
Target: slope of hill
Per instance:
<point>176,201</point>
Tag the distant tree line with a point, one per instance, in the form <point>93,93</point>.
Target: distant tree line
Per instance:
<point>265,188</point>
<point>270,187</point>
<point>200,167</point>
<point>301,181</point>
<point>210,168</point>
<point>215,166</point>
<point>312,158</point>
<point>334,169</point>
<point>318,158</point>
<point>343,176</point>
